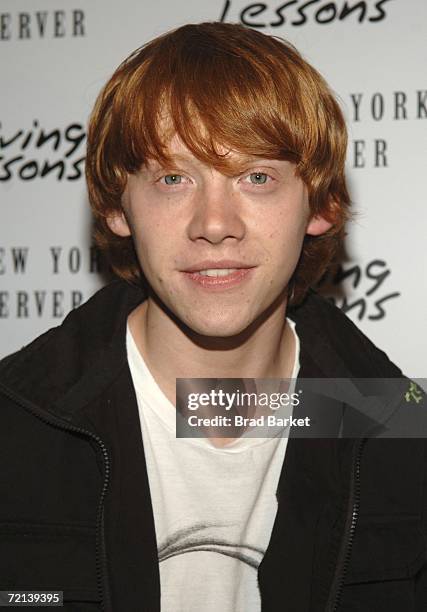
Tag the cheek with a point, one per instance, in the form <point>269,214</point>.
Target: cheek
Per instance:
<point>281,256</point>
<point>148,232</point>
<point>285,239</point>
<point>155,254</point>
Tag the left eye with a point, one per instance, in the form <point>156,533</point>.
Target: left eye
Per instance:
<point>172,179</point>
<point>258,178</point>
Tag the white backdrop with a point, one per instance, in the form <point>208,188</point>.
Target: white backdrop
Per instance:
<point>55,55</point>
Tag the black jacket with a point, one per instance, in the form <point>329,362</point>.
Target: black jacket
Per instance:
<point>75,509</point>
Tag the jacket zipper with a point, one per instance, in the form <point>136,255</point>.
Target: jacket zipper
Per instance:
<point>351,522</point>
<point>101,559</point>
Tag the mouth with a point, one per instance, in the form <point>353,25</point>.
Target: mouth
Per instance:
<point>219,278</point>
<point>217,271</point>
<point>210,266</point>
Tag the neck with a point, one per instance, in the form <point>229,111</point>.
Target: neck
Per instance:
<point>265,350</point>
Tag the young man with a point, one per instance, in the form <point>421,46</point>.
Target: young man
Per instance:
<point>215,170</point>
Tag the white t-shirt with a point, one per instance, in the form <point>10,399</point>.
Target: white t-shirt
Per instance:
<point>214,508</point>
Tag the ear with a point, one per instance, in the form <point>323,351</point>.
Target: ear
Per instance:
<point>318,225</point>
<point>118,224</point>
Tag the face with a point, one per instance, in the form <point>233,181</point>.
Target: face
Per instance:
<point>218,250</point>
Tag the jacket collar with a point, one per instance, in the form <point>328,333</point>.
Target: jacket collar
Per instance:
<point>69,365</point>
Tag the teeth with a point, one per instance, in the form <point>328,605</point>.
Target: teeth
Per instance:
<point>217,271</point>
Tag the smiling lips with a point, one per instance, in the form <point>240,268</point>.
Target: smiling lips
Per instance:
<point>218,275</point>
<point>217,271</point>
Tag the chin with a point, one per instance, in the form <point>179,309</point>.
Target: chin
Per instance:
<point>217,327</point>
<point>217,332</point>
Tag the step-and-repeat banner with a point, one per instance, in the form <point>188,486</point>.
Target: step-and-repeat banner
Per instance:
<point>55,56</point>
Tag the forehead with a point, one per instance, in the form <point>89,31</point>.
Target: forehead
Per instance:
<point>175,148</point>
<point>213,138</point>
<point>224,157</point>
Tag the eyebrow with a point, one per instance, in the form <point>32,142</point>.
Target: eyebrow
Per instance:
<point>234,164</point>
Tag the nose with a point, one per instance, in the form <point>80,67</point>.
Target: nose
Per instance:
<point>216,213</point>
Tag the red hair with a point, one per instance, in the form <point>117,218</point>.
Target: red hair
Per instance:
<point>219,84</point>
